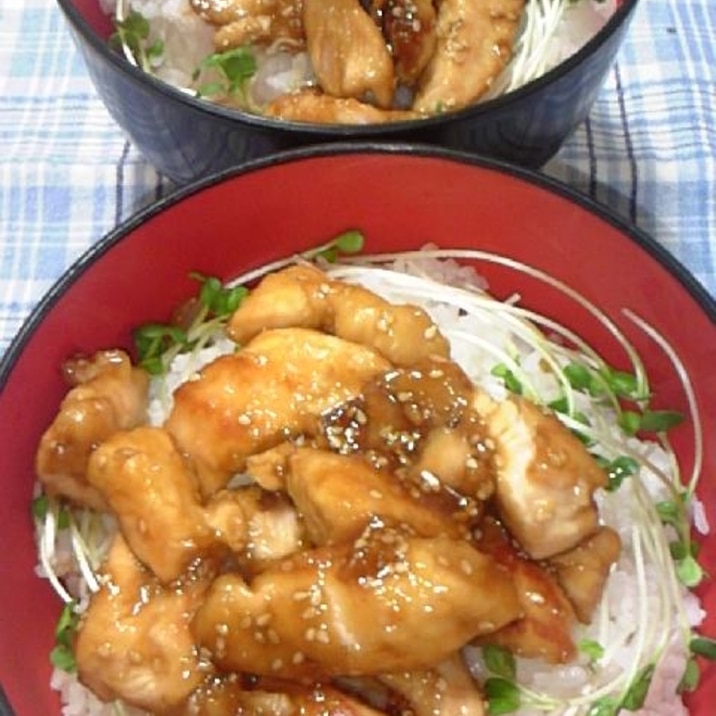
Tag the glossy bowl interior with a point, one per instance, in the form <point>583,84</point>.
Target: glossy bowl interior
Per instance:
<point>401,197</point>
<point>186,138</point>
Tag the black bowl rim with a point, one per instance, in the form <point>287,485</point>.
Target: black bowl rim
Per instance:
<point>95,252</point>
<point>498,105</point>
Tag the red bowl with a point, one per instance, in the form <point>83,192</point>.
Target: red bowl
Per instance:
<point>186,138</point>
<point>401,197</point>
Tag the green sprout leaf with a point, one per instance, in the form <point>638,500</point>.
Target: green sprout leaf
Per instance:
<point>152,340</point>
<point>636,694</point>
<point>63,518</point>
<point>689,571</point>
<point>650,421</point>
<point>670,512</point>
<point>512,383</point>
<point>40,507</point>
<point>622,384</point>
<point>503,696</point>
<point>219,300</point>
<point>42,504</point>
<point>680,549</point>
<point>579,377</point>
<point>500,661</point>
<point>133,33</point>
<point>591,648</point>
<point>606,706</point>
<point>349,242</point>
<point>63,658</point>
<point>62,655</point>
<point>703,646</point>
<point>630,422</point>
<point>692,676</point>
<point>235,68</point>
<point>619,469</point>
<point>658,421</point>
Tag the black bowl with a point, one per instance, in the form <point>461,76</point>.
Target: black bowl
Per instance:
<point>186,138</point>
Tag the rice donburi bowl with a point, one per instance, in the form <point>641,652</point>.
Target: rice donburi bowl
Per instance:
<point>343,62</point>
<point>409,548</point>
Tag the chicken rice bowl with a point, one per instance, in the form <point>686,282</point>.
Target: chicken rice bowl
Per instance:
<point>363,485</point>
<point>348,61</point>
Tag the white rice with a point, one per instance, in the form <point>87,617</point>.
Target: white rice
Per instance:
<point>551,31</point>
<point>635,616</point>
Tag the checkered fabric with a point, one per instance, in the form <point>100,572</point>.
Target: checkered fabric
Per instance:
<point>68,175</point>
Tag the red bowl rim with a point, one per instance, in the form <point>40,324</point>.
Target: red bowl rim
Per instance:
<point>655,250</point>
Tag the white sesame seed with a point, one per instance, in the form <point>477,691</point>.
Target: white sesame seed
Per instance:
<point>273,636</point>
<point>323,637</point>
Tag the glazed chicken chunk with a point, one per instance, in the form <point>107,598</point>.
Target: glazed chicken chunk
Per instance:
<point>259,527</point>
<point>107,394</point>
<point>409,29</point>
<point>583,571</point>
<point>247,22</point>
<point>474,41</point>
<point>338,497</point>
<point>134,640</point>
<point>305,296</point>
<point>311,105</point>
<point>546,479</point>
<point>446,689</point>
<point>155,497</point>
<point>231,695</point>
<point>307,616</point>
<point>347,50</point>
<point>545,628</point>
<point>274,388</point>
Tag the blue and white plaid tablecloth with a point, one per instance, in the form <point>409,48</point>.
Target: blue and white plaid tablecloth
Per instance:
<point>68,175</point>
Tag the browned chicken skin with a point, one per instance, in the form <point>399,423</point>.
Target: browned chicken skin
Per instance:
<point>107,395</point>
<point>474,40</point>
<point>347,50</point>
<point>307,617</point>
